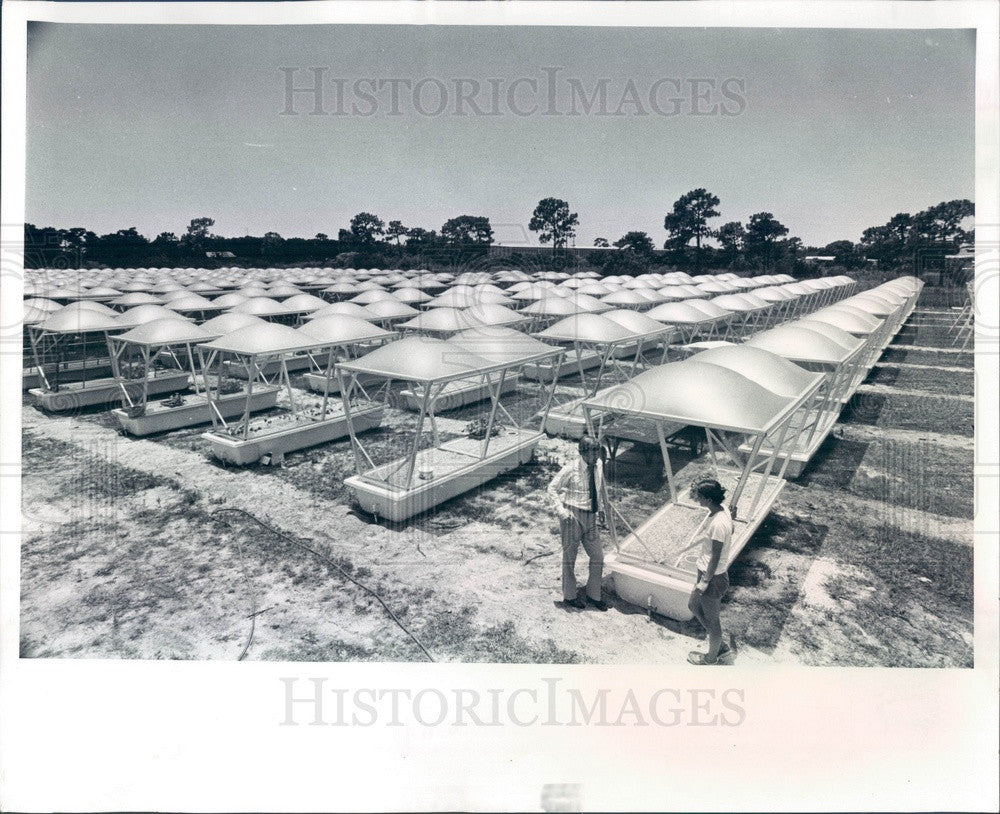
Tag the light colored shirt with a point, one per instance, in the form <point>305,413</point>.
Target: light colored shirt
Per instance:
<point>572,488</point>
<point>719,527</point>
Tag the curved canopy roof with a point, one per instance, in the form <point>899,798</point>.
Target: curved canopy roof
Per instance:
<point>86,305</point>
<point>230,299</point>
<point>144,313</point>
<point>554,307</point>
<point>696,393</point>
<point>493,314</point>
<point>227,323</point>
<point>304,302</point>
<point>870,321</point>
<point>442,320</point>
<point>78,320</point>
<point>590,328</point>
<point>678,313</point>
<point>678,292</point>
<point>409,294</point>
<point>42,304</point>
<point>372,295</point>
<point>194,302</point>
<point>773,294</point>
<point>262,307</point>
<point>587,302</point>
<point>736,302</point>
<point>421,359</point>
<point>136,298</point>
<point>830,331</point>
<point>712,309</point>
<point>166,331</point>
<point>351,309</point>
<point>386,309</point>
<point>625,296</point>
<point>770,371</point>
<point>873,304</point>
<point>636,322</point>
<point>33,315</point>
<point>500,345</point>
<point>801,345</point>
<point>264,339</point>
<point>343,330</point>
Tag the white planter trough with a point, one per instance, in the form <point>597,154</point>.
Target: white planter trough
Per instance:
<point>316,383</point>
<point>653,566</point>
<point>73,371</point>
<point>456,394</point>
<point>300,420</point>
<point>194,411</point>
<point>272,368</point>
<point>567,366</point>
<point>73,395</point>
<point>429,475</point>
<point>285,433</point>
<point>442,473</point>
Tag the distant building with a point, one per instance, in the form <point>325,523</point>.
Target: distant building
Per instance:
<point>819,258</point>
<point>221,255</point>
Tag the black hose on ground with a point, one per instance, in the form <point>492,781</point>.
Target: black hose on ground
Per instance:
<point>329,562</point>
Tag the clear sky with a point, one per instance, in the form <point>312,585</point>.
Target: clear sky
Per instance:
<point>830,130</point>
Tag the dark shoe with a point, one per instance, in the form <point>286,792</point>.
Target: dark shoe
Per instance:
<point>598,604</point>
<point>575,603</point>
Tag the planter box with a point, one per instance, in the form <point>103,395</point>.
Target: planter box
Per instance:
<point>456,394</point>
<point>293,434</point>
<point>655,567</point>
<point>195,411</point>
<point>105,391</point>
<point>543,371</point>
<point>455,468</point>
<point>317,381</point>
<point>68,372</point>
<point>272,368</point>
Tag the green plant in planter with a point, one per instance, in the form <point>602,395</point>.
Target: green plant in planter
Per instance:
<point>477,429</point>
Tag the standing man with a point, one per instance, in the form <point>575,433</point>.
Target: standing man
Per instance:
<point>580,496</point>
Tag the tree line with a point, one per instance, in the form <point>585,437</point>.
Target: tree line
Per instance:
<point>693,242</point>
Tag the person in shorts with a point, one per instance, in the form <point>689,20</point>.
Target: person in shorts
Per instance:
<point>713,579</point>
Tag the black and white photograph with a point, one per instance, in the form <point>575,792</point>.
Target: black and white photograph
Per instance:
<point>503,339</point>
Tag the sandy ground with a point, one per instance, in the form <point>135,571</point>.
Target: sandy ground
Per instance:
<point>865,560</point>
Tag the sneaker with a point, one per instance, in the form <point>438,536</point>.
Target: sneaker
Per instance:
<point>575,603</point>
<point>697,657</point>
<point>598,604</point>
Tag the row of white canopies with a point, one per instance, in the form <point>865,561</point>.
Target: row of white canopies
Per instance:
<point>765,401</point>
<point>765,405</point>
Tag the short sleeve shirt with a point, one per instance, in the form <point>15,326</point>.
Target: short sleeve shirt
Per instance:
<point>719,527</point>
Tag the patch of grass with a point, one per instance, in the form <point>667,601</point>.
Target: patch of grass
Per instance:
<point>797,535</point>
<point>926,379</point>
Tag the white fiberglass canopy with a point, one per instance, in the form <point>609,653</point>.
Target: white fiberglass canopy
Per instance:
<point>801,345</point>
<point>344,330</point>
<point>769,370</point>
<point>588,328</point>
<point>167,331</point>
<point>697,393</point>
<point>420,359</point>
<point>267,339</point>
<point>500,345</point>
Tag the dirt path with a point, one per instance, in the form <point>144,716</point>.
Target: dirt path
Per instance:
<point>455,564</point>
